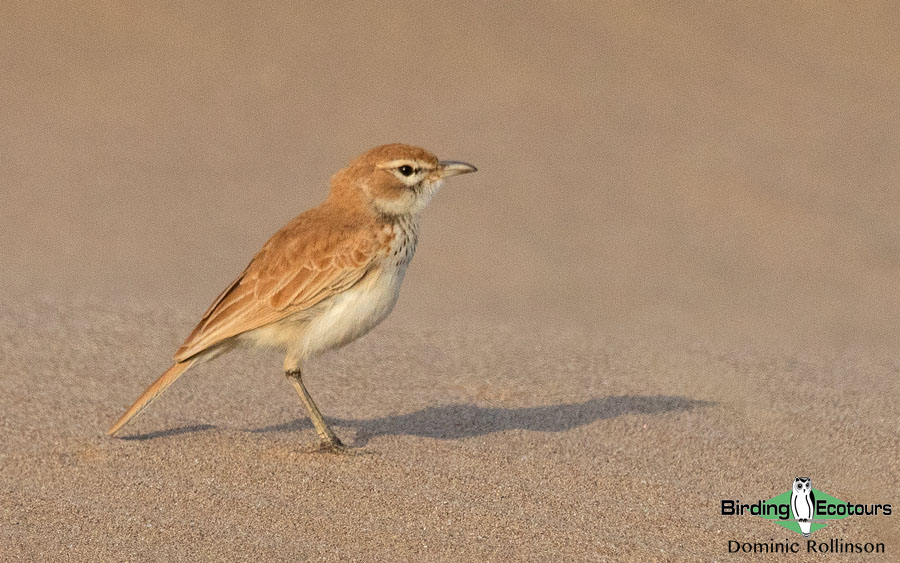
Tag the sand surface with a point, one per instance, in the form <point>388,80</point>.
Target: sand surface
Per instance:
<point>673,280</point>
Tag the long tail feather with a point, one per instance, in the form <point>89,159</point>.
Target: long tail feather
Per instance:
<point>152,392</point>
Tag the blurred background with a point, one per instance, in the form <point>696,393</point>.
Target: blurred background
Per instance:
<point>722,170</point>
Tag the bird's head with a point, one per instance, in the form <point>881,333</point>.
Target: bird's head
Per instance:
<point>397,179</point>
<point>802,484</point>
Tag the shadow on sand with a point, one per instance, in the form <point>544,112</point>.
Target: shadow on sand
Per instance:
<point>170,432</point>
<point>450,422</point>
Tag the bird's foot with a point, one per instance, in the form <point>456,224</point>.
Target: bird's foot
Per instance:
<point>332,446</point>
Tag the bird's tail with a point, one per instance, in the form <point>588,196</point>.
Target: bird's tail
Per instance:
<point>152,392</point>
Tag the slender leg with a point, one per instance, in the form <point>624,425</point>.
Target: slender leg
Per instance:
<point>328,439</point>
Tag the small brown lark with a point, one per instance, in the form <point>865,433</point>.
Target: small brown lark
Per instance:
<point>326,278</point>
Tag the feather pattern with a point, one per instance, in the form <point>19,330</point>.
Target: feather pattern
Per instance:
<point>306,262</point>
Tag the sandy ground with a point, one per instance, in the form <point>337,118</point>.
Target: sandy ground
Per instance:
<point>672,281</point>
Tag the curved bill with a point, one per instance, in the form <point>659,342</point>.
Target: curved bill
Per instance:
<point>455,168</point>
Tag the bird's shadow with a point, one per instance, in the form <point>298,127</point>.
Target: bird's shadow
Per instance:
<point>455,421</point>
<point>170,432</point>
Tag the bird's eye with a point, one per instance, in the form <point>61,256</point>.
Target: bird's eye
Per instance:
<point>406,170</point>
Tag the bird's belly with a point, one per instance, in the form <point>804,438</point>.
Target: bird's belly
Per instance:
<point>351,314</point>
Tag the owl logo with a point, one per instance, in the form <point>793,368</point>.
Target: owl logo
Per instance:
<point>803,503</point>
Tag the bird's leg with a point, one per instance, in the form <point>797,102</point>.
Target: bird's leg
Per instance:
<point>328,439</point>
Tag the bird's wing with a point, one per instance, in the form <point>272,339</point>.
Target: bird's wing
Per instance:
<point>297,268</point>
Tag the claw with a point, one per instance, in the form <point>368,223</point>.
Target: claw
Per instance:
<point>334,446</point>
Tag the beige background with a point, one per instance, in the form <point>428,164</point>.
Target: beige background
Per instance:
<point>673,279</point>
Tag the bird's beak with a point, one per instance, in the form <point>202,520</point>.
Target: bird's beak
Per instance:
<point>454,168</point>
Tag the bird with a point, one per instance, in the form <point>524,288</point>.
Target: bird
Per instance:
<point>326,278</point>
<point>803,504</point>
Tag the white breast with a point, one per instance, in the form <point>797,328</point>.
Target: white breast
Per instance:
<point>344,317</point>
<point>353,313</point>
<point>802,505</point>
